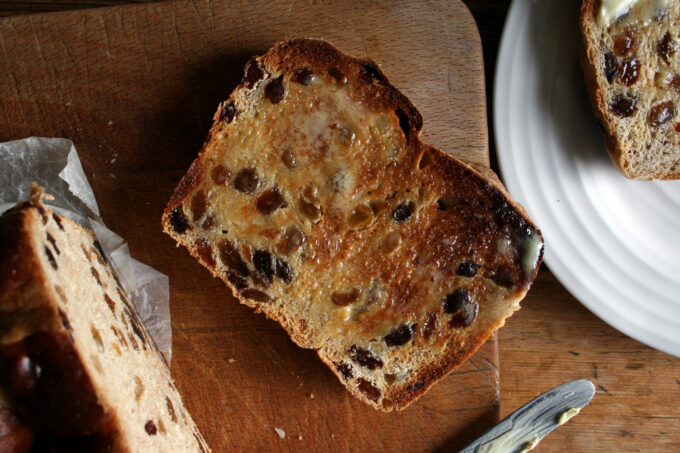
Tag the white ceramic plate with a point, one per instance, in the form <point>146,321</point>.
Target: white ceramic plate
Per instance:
<point>612,242</point>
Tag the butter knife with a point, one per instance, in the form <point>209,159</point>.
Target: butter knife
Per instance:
<point>523,429</point>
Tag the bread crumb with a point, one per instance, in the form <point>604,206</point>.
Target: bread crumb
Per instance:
<point>231,360</point>
<point>112,175</point>
<point>311,396</point>
<point>299,437</point>
<point>110,122</point>
<point>280,432</point>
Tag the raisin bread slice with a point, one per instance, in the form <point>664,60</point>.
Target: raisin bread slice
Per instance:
<point>75,360</point>
<point>631,63</point>
<point>316,202</point>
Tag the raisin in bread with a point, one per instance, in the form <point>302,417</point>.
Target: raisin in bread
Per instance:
<point>631,62</point>
<point>316,202</point>
<point>75,360</point>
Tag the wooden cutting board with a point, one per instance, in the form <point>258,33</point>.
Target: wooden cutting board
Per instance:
<point>135,88</point>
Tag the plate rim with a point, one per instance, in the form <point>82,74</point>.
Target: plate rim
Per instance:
<point>510,38</point>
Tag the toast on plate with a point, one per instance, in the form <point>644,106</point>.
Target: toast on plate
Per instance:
<point>630,55</point>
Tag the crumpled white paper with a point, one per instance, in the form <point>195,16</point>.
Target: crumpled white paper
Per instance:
<point>54,164</point>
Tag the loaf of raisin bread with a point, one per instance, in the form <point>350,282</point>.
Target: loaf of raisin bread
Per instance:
<point>315,201</point>
<point>630,57</point>
<point>76,363</point>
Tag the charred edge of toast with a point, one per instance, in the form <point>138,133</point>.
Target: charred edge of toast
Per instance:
<point>378,93</point>
<point>451,359</point>
<point>400,398</point>
<point>287,57</point>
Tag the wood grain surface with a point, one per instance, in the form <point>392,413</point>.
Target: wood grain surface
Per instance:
<point>551,340</point>
<point>135,88</point>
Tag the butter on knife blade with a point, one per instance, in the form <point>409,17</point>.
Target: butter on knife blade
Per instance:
<point>522,430</point>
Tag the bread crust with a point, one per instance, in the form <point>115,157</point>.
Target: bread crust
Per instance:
<point>598,104</point>
<point>318,56</point>
<point>24,307</point>
<point>30,326</point>
<point>50,374</point>
<point>595,85</point>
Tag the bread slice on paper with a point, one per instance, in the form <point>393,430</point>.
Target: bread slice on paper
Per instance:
<point>315,201</point>
<point>75,360</point>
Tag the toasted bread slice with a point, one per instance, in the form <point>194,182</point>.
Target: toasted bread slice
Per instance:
<point>75,360</point>
<point>317,204</point>
<point>631,63</point>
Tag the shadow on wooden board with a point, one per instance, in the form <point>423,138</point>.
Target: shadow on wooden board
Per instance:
<point>470,432</point>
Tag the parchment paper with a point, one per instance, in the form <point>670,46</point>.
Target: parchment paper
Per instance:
<point>54,164</point>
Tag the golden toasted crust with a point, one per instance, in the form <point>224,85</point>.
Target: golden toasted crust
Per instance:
<point>342,112</point>
<point>632,144</point>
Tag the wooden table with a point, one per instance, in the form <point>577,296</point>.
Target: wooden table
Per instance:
<point>554,338</point>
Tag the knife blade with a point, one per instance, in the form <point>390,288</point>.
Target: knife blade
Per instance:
<point>523,429</point>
